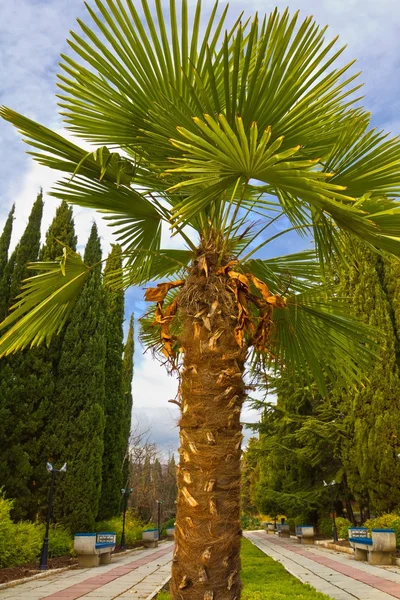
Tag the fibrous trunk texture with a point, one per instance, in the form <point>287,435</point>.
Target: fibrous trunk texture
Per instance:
<point>206,562</point>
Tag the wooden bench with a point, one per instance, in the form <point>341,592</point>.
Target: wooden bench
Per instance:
<point>377,549</point>
<point>94,549</point>
<point>305,534</point>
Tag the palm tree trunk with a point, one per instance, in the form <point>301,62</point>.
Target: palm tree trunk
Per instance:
<point>206,561</point>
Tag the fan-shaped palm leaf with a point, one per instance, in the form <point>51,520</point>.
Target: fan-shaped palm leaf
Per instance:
<point>45,302</point>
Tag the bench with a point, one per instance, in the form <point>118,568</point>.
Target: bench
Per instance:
<point>94,549</point>
<point>305,534</point>
<point>377,549</point>
<point>150,538</point>
<point>283,530</point>
<point>271,528</point>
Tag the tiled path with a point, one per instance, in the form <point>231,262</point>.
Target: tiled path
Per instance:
<point>335,574</point>
<point>133,576</point>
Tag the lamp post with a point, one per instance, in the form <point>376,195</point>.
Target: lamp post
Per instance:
<point>159,502</point>
<point>43,566</point>
<point>330,485</point>
<point>125,495</point>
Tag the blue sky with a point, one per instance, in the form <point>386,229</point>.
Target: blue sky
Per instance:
<point>32,35</point>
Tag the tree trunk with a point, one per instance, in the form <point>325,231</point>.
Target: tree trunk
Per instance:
<point>206,562</point>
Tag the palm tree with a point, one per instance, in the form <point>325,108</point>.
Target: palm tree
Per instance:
<point>222,135</point>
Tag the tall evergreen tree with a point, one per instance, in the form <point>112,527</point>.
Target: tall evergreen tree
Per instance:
<point>20,392</point>
<point>5,240</point>
<point>114,404</point>
<point>127,374</point>
<point>79,400</point>
<point>60,231</point>
<point>28,248</point>
<point>373,412</point>
<point>6,265</point>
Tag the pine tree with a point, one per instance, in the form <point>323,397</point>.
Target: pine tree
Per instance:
<point>79,400</point>
<point>21,397</point>
<point>114,404</point>
<point>127,374</point>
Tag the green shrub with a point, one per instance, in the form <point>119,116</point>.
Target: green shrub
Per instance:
<point>167,525</point>
<point>249,522</point>
<point>342,526</point>
<point>325,527</point>
<point>292,524</point>
<point>133,528</point>
<point>60,542</point>
<point>387,521</point>
<point>19,542</point>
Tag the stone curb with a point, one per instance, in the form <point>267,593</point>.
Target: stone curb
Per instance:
<point>15,582</point>
<point>332,546</point>
<point>158,589</point>
<point>49,572</point>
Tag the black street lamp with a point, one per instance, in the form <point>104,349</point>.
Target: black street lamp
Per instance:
<point>125,495</point>
<point>159,502</point>
<point>43,566</point>
<point>330,485</point>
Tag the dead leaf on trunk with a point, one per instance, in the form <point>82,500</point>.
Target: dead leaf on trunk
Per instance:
<point>241,278</point>
<point>277,301</point>
<point>223,270</point>
<point>206,556</point>
<point>213,308</point>
<point>239,336</point>
<point>170,311</point>
<point>212,342</point>
<point>207,323</point>
<point>158,294</point>
<point>189,498</point>
<point>203,266</point>
<point>184,583</point>
<point>260,285</point>
<point>196,327</point>
<point>203,578</point>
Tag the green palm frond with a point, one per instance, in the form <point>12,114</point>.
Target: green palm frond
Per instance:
<point>145,266</point>
<point>316,338</point>
<point>45,302</point>
<point>295,272</point>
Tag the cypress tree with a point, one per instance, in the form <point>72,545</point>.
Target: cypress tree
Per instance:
<point>373,413</point>
<point>114,404</point>
<point>6,265</point>
<point>21,396</point>
<point>79,401</point>
<point>60,231</point>
<point>127,374</point>
<point>28,248</point>
<point>5,240</point>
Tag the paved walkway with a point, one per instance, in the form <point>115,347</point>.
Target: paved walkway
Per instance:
<point>135,575</point>
<point>335,574</point>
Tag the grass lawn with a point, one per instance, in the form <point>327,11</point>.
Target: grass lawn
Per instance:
<point>265,579</point>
